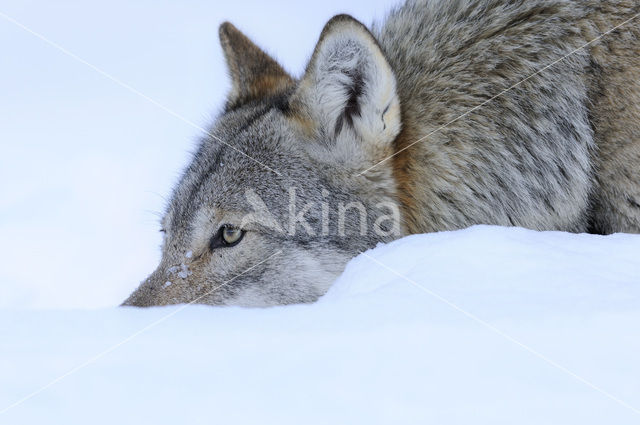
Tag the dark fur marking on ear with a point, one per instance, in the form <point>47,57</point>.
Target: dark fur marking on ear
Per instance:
<point>355,91</point>
<point>633,202</point>
<point>352,107</point>
<point>384,124</point>
<point>338,127</point>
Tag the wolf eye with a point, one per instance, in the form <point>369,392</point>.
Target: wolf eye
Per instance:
<point>228,235</point>
<point>231,235</point>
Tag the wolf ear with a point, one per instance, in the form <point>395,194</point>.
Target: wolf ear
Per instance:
<point>254,74</point>
<point>349,88</point>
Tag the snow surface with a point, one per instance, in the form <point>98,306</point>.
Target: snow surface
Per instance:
<point>481,326</point>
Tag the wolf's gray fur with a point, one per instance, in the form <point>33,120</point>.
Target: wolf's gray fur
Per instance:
<point>559,151</point>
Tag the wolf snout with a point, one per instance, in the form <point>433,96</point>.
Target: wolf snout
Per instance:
<point>148,293</point>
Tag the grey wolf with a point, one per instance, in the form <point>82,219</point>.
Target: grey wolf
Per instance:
<point>315,157</point>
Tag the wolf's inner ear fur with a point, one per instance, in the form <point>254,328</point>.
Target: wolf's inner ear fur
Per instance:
<point>254,74</point>
<point>349,89</point>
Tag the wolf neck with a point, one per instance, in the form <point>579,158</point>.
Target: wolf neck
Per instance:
<point>411,48</point>
<point>427,50</point>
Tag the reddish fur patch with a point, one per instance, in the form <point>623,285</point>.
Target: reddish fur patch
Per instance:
<point>269,85</point>
<point>403,168</point>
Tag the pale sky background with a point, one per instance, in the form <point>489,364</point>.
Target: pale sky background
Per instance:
<point>85,164</point>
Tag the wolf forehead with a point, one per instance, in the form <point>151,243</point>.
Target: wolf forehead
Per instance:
<point>249,148</point>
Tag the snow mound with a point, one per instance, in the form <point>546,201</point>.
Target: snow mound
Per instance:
<point>502,271</point>
<point>485,325</point>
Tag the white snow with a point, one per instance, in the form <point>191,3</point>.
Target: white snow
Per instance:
<point>481,326</point>
<point>182,270</point>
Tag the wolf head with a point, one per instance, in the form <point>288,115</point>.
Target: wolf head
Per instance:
<point>273,204</point>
